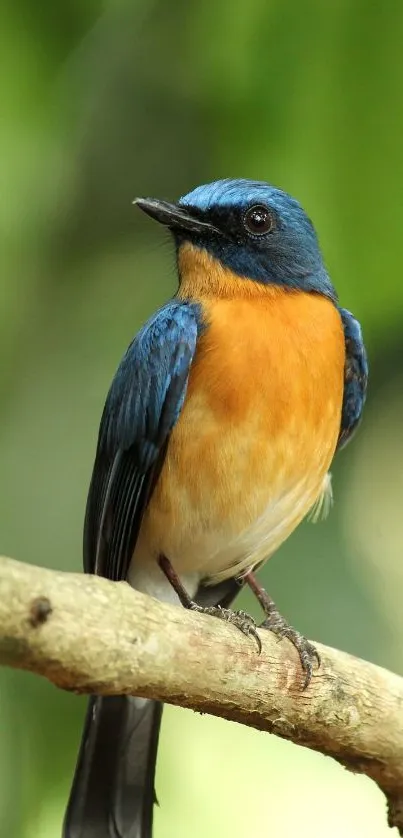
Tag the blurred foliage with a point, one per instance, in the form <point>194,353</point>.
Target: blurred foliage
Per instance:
<point>104,101</point>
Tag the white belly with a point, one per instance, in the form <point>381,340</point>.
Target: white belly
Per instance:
<point>215,555</point>
<point>256,544</point>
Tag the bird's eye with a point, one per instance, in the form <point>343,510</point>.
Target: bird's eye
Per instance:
<point>258,220</point>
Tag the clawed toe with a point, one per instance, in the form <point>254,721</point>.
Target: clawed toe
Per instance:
<point>308,655</point>
<point>243,621</point>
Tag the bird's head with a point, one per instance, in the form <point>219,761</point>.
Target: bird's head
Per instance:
<point>230,231</point>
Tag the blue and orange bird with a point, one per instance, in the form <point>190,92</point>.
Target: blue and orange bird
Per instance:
<point>215,442</point>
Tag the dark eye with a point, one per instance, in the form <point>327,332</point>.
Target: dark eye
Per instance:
<point>258,220</point>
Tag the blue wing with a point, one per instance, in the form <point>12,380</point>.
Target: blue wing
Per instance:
<point>141,409</point>
<point>355,377</point>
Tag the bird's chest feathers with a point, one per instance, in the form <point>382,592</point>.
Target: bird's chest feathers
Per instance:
<point>250,452</point>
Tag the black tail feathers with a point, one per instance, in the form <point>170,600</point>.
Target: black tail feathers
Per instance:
<point>113,789</point>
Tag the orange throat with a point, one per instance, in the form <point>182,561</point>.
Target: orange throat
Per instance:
<point>201,276</point>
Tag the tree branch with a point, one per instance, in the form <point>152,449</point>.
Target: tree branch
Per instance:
<point>89,635</point>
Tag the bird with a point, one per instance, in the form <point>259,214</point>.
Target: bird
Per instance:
<point>216,440</point>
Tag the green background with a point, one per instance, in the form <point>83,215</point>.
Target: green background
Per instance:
<point>101,102</point>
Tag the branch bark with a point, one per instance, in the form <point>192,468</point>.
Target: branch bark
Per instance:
<point>90,635</point>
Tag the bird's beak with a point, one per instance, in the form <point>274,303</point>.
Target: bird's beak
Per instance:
<point>174,216</point>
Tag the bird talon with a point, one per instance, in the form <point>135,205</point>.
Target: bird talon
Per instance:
<point>255,634</point>
<point>306,651</point>
<point>241,619</point>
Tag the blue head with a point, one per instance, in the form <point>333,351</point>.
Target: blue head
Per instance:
<point>251,228</point>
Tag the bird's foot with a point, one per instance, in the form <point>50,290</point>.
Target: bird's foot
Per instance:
<point>240,619</point>
<point>308,655</point>
<point>274,621</point>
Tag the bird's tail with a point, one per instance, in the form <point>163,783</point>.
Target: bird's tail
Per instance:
<point>113,789</point>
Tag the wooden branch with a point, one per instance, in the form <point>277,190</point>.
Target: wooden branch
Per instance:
<point>89,635</point>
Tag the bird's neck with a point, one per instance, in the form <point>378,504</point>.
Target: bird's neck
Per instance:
<point>201,276</point>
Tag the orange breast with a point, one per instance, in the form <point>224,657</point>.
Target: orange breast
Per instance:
<point>252,447</point>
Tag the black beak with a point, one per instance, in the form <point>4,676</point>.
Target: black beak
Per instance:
<point>174,216</point>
